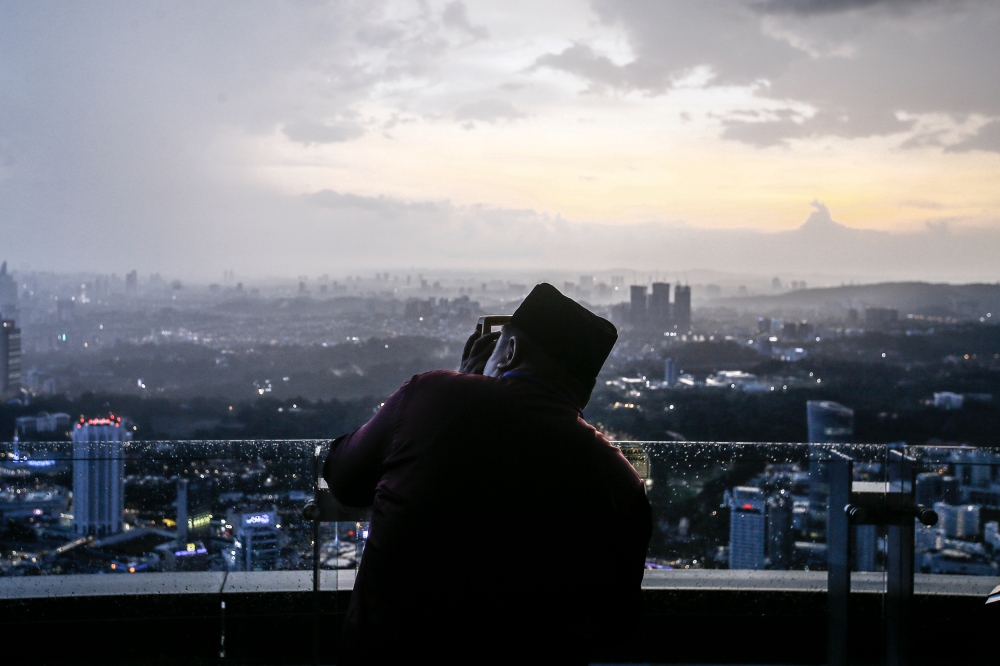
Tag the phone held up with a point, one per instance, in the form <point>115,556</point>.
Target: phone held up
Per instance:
<point>489,322</point>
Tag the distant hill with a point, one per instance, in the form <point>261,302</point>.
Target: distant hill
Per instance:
<point>963,300</point>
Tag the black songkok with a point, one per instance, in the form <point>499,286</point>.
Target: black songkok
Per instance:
<point>575,337</point>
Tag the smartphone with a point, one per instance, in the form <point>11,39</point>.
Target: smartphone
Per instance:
<point>489,322</point>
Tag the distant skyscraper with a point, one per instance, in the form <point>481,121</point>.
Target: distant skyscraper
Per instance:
<point>131,280</point>
<point>670,372</point>
<point>257,539</point>
<point>194,508</point>
<point>961,522</point>
<point>99,476</point>
<point>747,528</point>
<point>829,422</point>
<point>881,317</point>
<point>10,356</point>
<point>637,310</point>
<point>8,293</point>
<point>682,307</point>
<point>659,305</point>
<point>929,488</point>
<point>865,547</point>
<point>780,539</point>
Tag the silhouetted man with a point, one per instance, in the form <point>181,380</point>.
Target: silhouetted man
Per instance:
<point>505,528</point>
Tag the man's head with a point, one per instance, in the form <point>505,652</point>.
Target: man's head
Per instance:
<point>553,336</point>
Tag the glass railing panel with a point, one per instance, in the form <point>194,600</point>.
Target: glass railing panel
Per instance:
<point>962,485</point>
<point>127,508</point>
<point>748,506</point>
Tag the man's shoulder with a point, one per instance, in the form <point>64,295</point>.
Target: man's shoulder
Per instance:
<point>613,460</point>
<point>448,378</point>
<point>451,384</point>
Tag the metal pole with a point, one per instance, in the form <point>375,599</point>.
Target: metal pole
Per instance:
<point>899,574</point>
<point>316,569</point>
<point>838,551</point>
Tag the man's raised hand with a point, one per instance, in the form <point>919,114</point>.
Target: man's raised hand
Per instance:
<point>478,349</point>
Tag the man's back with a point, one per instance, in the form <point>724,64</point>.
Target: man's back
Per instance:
<point>503,524</point>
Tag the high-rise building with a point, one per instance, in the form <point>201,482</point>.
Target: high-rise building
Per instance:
<point>8,293</point>
<point>194,508</point>
<point>780,538</point>
<point>258,542</point>
<point>881,317</point>
<point>682,307</point>
<point>934,487</point>
<point>865,547</point>
<point>929,488</point>
<point>670,371</point>
<point>132,280</point>
<point>958,522</point>
<point>747,528</point>
<point>637,309</point>
<point>99,475</point>
<point>10,356</point>
<point>43,426</point>
<point>659,305</point>
<point>829,422</point>
<point>974,467</point>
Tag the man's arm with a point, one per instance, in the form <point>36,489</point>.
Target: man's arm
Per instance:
<point>354,466</point>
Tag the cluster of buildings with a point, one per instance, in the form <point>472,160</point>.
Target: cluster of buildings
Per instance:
<point>650,309</point>
<point>777,519</point>
<point>87,527</point>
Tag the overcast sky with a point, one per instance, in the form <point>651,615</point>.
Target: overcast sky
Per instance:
<point>289,138</point>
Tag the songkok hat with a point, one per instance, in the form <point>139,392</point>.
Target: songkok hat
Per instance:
<point>575,337</point>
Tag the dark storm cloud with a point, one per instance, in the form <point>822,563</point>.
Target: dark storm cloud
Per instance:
<point>832,6</point>
<point>857,68</point>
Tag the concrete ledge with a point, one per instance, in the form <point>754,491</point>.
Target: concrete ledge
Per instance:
<point>90,585</point>
<point>264,582</point>
<point>808,581</point>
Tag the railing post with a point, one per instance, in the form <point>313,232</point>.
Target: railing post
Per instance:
<point>838,551</point>
<point>317,473</point>
<point>899,565</point>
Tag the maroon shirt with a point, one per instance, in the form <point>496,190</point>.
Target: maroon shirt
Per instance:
<point>504,526</point>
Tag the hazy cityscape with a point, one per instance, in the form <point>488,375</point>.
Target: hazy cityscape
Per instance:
<point>105,367</point>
